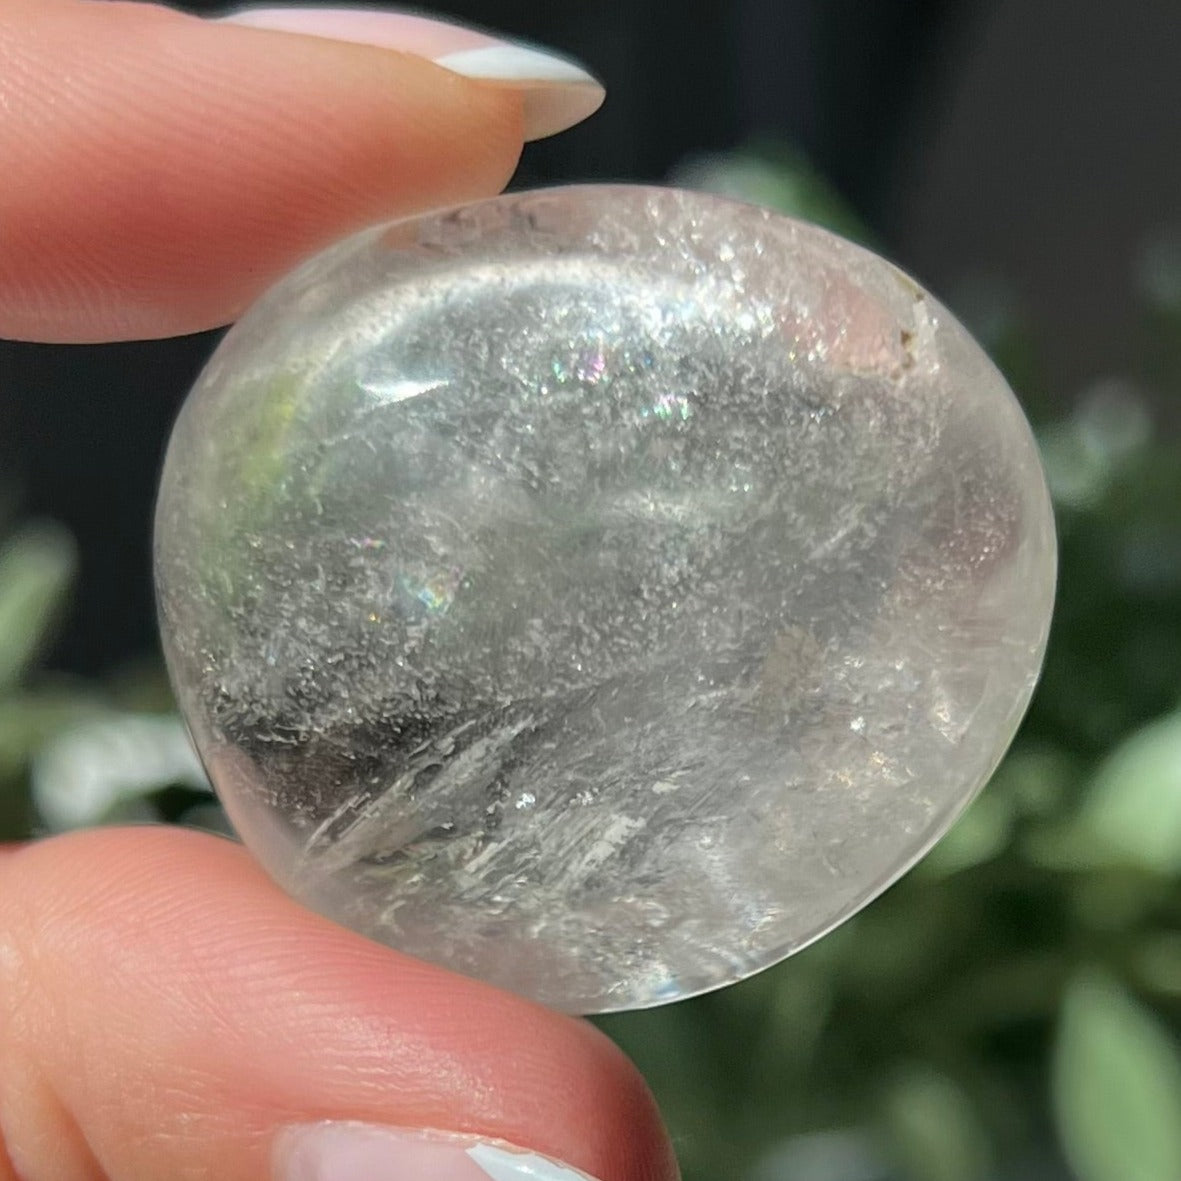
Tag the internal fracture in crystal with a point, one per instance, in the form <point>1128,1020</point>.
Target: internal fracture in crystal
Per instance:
<point>600,591</point>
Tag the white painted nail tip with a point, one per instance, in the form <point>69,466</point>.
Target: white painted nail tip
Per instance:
<point>344,1151</point>
<point>557,93</point>
<point>502,1165</point>
<point>515,63</point>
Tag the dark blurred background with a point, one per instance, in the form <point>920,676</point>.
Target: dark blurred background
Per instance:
<point>997,150</point>
<point>1011,1009</point>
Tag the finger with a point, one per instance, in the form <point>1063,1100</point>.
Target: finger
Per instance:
<point>166,1012</point>
<point>555,92</point>
<point>160,170</point>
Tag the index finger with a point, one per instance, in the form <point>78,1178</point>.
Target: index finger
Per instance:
<point>160,170</point>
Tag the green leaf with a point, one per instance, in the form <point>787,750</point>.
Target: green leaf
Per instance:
<point>1036,777</point>
<point>1117,1086</point>
<point>1112,901</point>
<point>979,835</point>
<point>773,175</point>
<point>107,768</point>
<point>1132,808</point>
<point>28,720</point>
<point>36,568</point>
<point>933,1129</point>
<point>1157,963</point>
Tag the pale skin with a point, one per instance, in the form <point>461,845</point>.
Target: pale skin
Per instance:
<point>164,1009</point>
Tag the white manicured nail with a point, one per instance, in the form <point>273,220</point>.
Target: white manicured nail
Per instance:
<point>556,92</point>
<point>364,1152</point>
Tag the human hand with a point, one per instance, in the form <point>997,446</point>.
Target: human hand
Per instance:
<point>166,1012</point>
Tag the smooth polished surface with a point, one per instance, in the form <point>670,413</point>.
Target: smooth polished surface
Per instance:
<point>601,591</point>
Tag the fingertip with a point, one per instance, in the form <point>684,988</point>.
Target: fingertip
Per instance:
<point>189,163</point>
<point>162,966</point>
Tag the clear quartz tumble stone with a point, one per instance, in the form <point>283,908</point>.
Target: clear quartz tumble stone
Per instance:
<point>600,591</point>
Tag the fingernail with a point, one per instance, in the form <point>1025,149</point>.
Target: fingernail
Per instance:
<point>557,92</point>
<point>365,1152</point>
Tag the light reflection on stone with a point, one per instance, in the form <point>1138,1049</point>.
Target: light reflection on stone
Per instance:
<point>600,591</point>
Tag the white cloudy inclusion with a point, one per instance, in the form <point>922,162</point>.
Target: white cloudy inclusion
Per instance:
<point>601,591</point>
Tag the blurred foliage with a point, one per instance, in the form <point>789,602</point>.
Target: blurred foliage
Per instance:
<point>75,752</point>
<point>1010,1008</point>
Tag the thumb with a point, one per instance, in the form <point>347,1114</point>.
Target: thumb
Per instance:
<point>166,1012</point>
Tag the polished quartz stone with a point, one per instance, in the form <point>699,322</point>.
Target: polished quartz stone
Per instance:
<point>601,591</point>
